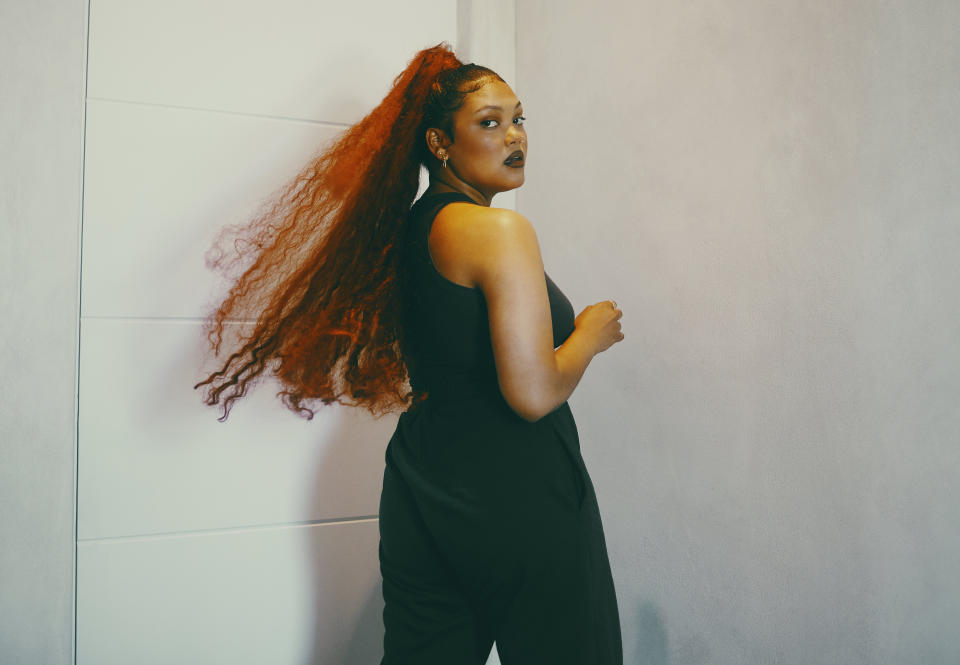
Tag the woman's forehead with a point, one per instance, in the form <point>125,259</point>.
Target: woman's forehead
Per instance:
<point>493,93</point>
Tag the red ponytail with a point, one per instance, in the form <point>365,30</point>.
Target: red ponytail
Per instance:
<point>319,270</point>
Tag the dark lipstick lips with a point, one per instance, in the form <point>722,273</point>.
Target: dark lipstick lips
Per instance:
<point>516,156</point>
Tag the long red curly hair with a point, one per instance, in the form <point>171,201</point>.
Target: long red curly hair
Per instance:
<point>319,272</point>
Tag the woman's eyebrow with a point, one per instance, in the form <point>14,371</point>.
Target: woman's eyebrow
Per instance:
<point>498,108</point>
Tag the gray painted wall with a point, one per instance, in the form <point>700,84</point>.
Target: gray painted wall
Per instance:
<point>42,55</point>
<point>769,191</point>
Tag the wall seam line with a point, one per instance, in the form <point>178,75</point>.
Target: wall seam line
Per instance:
<point>311,121</point>
<point>225,531</point>
<point>85,74</point>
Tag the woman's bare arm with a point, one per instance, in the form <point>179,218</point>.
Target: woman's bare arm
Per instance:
<point>497,250</point>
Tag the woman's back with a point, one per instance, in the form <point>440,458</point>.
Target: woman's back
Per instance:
<point>489,523</point>
<point>446,328</point>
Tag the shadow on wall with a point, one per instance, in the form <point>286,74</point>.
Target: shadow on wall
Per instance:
<point>347,575</point>
<point>651,636</point>
<point>367,639</point>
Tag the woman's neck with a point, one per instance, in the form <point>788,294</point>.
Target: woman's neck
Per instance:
<point>440,185</point>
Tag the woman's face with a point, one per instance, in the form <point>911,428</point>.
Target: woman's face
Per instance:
<point>489,145</point>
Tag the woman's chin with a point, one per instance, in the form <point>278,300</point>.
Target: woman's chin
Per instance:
<point>516,184</point>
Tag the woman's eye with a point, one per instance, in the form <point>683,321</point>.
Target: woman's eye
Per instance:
<point>484,122</point>
<point>519,120</point>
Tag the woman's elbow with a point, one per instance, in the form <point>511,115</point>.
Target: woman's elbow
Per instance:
<point>529,416</point>
<point>527,406</point>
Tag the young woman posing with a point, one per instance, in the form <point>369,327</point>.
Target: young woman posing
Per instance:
<point>489,523</point>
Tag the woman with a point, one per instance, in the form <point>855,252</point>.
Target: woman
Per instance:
<point>489,524</point>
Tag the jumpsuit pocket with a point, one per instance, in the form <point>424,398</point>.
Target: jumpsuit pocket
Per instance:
<point>573,462</point>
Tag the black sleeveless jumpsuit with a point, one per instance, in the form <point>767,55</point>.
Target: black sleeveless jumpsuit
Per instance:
<point>489,524</point>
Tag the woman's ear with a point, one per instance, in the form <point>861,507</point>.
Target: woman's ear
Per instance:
<point>437,141</point>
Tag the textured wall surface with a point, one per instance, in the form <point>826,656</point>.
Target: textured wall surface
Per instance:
<point>42,53</point>
<point>769,191</point>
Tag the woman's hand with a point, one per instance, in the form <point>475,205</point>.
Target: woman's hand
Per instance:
<point>601,322</point>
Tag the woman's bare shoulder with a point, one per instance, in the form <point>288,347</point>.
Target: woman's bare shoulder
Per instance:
<point>471,222</point>
<point>468,241</point>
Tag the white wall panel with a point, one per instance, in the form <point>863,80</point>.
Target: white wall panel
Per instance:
<point>295,595</point>
<point>154,459</point>
<point>161,182</point>
<point>195,537</point>
<point>324,60</point>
